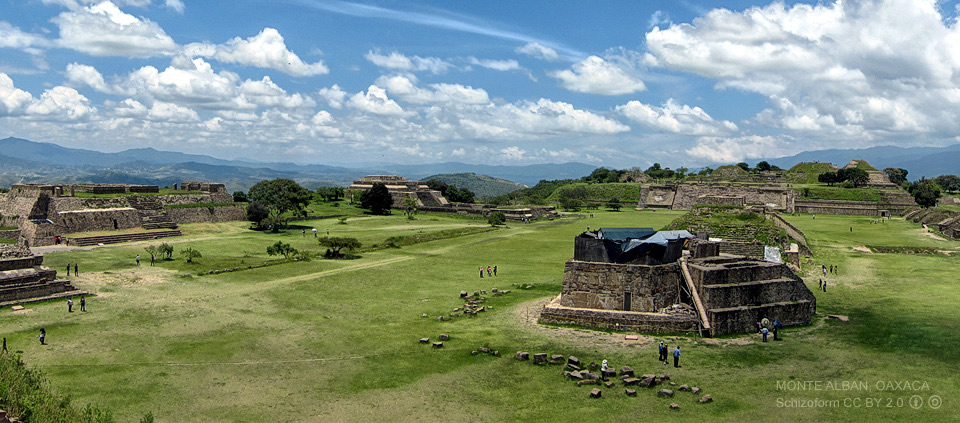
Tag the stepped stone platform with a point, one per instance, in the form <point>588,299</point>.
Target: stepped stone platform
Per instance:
<point>152,214</point>
<point>116,239</point>
<point>24,279</point>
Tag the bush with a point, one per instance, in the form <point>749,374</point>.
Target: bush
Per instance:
<point>190,253</point>
<point>497,218</point>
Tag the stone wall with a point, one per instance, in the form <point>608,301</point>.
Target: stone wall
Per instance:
<point>554,313</point>
<point>686,195</point>
<point>11,234</point>
<point>605,286</point>
<point>792,231</point>
<point>208,214</point>
<point>721,200</point>
<point>850,208</point>
<point>97,220</point>
<point>745,249</point>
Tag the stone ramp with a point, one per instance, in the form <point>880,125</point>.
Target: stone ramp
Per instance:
<point>115,239</point>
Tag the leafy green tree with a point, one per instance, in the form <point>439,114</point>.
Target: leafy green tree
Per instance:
<point>377,199</point>
<point>763,166</point>
<point>858,177</point>
<point>257,213</point>
<point>240,197</point>
<point>166,250</point>
<point>280,196</point>
<point>744,166</point>
<point>410,205</point>
<point>614,204</point>
<point>190,253</point>
<point>330,193</point>
<point>828,178</point>
<point>336,244</point>
<point>497,218</point>
<point>281,248</point>
<point>153,250</point>
<point>896,175</point>
<point>925,192</point>
<point>705,171</point>
<point>570,204</point>
<point>948,182</point>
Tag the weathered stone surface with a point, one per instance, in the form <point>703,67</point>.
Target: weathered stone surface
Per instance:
<point>573,375</point>
<point>665,376</point>
<point>684,388</point>
<point>626,371</point>
<point>424,340</point>
<point>631,392</point>
<point>609,373</point>
<point>673,383</point>
<point>540,358</point>
<point>438,344</point>
<point>591,375</point>
<point>557,357</point>
<point>444,337</point>
<point>705,399</point>
<point>695,390</point>
<point>574,361</point>
<point>573,367</point>
<point>674,406</point>
<point>595,393</point>
<point>588,382</point>
<point>496,353</point>
<point>631,381</point>
<point>555,362</point>
<point>463,294</point>
<point>608,384</point>
<point>485,350</point>
<point>647,382</point>
<point>665,393</point>
<point>593,365</point>
<point>494,290</point>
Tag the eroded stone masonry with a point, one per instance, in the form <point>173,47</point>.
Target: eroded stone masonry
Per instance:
<point>664,289</point>
<point>43,212</point>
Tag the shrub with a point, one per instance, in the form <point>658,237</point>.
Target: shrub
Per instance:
<point>497,218</point>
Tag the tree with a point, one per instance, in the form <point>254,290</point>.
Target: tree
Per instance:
<point>280,196</point>
<point>497,218</point>
<point>948,182</point>
<point>744,166</point>
<point>153,250</point>
<point>189,253</point>
<point>257,213</point>
<point>925,192</point>
<point>330,193</point>
<point>410,205</point>
<point>377,199</point>
<point>281,248</point>
<point>570,204</point>
<point>335,244</point>
<point>240,197</point>
<point>858,177</point>
<point>896,175</point>
<point>705,171</point>
<point>828,178</point>
<point>614,204</point>
<point>166,250</point>
<point>763,166</point>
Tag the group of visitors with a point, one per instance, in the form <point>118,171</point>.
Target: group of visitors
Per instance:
<point>764,326</point>
<point>76,269</point>
<point>83,304</point>
<point>663,350</point>
<point>491,271</point>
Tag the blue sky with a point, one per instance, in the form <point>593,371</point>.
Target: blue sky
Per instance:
<point>616,83</point>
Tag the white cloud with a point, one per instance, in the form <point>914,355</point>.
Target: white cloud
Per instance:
<point>873,69</point>
<point>375,101</point>
<point>13,37</point>
<point>104,30</point>
<point>61,103</point>
<point>176,5</point>
<point>169,112</point>
<point>658,18</point>
<point>595,75</point>
<point>674,118</point>
<point>398,61</point>
<point>12,99</point>
<point>500,65</point>
<point>333,95</point>
<point>405,87</point>
<point>539,51</point>
<point>513,153</point>
<point>265,50</point>
<point>547,117</point>
<point>79,74</point>
<point>732,150</point>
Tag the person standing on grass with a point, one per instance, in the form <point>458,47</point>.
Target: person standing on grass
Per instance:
<point>43,336</point>
<point>76,271</point>
<point>764,331</point>
<point>676,357</point>
<point>70,305</point>
<point>138,259</point>
<point>662,350</point>
<point>489,271</point>
<point>824,286</point>
<point>4,344</point>
<point>481,272</point>
<point>68,268</point>
<point>314,232</point>
<point>83,303</point>
<point>603,371</point>
<point>303,233</point>
<point>494,270</point>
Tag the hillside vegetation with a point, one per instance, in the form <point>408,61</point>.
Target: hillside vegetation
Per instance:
<point>482,185</point>
<point>838,193</point>
<point>807,173</point>
<point>625,192</point>
<point>729,223</point>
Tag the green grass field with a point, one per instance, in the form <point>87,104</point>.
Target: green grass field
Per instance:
<point>325,340</point>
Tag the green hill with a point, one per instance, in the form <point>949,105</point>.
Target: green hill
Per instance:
<point>807,173</point>
<point>482,185</point>
<point>730,172</point>
<point>591,192</point>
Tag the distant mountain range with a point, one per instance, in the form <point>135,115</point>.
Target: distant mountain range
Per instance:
<point>918,161</point>
<point>482,185</point>
<point>29,161</point>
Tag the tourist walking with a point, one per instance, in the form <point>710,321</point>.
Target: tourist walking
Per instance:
<point>68,268</point>
<point>83,303</point>
<point>43,336</point>
<point>662,352</point>
<point>764,331</point>
<point>481,272</point>
<point>676,357</point>
<point>489,271</point>
<point>494,270</point>
<point>76,271</point>
<point>824,286</point>
<point>70,305</point>
<point>314,232</point>
<point>603,371</point>
<point>138,259</point>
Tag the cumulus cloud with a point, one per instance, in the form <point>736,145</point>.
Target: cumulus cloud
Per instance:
<point>333,95</point>
<point>375,101</point>
<point>398,61</point>
<point>545,117</point>
<point>513,153</point>
<point>595,75</point>
<point>500,65</point>
<point>104,30</point>
<point>264,50</point>
<point>674,118</point>
<point>864,69</point>
<point>731,150</point>
<point>176,5</point>
<point>14,37</point>
<point>539,51</point>
<point>12,99</point>
<point>61,103</point>
<point>79,74</point>
<point>405,87</point>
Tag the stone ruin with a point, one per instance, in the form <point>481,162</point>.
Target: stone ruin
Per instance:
<point>699,290</point>
<point>684,196</point>
<point>401,188</point>
<point>23,278</point>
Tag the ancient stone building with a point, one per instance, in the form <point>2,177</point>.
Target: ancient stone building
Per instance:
<point>684,196</point>
<point>42,212</point>
<point>23,277</point>
<point>700,290</point>
<point>401,188</point>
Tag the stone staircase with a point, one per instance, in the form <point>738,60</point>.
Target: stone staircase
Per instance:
<point>33,283</point>
<point>737,293</point>
<point>115,239</point>
<point>152,215</point>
